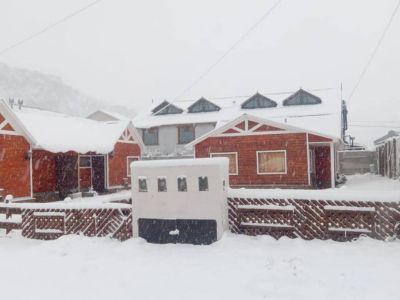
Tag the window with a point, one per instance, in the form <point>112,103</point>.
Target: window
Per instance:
<point>233,163</point>
<point>85,161</point>
<point>150,136</point>
<point>169,109</point>
<point>162,184</point>
<point>185,134</point>
<point>203,105</point>
<point>129,160</point>
<point>203,183</point>
<point>271,162</point>
<point>142,184</point>
<point>258,101</point>
<point>182,184</point>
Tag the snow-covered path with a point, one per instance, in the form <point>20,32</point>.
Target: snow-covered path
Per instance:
<point>237,267</point>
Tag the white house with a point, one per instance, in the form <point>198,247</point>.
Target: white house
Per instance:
<point>167,127</point>
<point>180,201</point>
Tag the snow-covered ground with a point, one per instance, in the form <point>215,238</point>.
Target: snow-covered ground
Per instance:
<point>371,182</point>
<point>237,267</point>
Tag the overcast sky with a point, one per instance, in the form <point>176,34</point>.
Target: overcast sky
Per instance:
<point>128,51</point>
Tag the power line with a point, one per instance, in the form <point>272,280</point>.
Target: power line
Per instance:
<point>49,27</point>
<point>211,67</point>
<point>374,126</point>
<point>375,49</point>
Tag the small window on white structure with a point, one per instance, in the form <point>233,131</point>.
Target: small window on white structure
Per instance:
<point>223,185</point>
<point>271,162</point>
<point>182,184</point>
<point>85,162</point>
<point>203,183</point>
<point>142,184</point>
<point>162,184</point>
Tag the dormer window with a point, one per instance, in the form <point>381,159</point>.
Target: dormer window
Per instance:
<point>302,97</point>
<point>160,106</point>
<point>258,101</point>
<point>169,109</point>
<point>203,105</point>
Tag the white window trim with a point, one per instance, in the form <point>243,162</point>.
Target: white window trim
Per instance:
<point>271,173</point>
<point>79,161</point>
<point>236,155</point>
<point>127,164</point>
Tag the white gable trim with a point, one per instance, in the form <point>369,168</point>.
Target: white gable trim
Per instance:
<point>286,129</point>
<point>19,128</point>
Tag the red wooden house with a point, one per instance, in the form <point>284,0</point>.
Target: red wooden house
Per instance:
<point>47,155</point>
<point>264,153</point>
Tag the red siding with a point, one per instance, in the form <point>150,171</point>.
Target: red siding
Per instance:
<point>14,166</point>
<point>295,144</point>
<point>44,172</point>
<point>117,164</point>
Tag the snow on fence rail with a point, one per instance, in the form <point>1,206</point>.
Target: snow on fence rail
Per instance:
<point>311,219</point>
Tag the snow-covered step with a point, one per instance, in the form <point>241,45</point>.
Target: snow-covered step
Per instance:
<point>267,207</point>
<point>266,225</point>
<point>349,208</point>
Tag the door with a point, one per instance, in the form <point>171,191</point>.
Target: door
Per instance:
<point>196,232</point>
<point>162,231</point>
<point>98,173</point>
<point>66,174</point>
<point>158,231</point>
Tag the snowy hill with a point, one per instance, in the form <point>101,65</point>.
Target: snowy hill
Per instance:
<point>50,92</point>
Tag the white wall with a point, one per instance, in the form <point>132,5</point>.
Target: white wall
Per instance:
<point>193,204</point>
<point>168,140</point>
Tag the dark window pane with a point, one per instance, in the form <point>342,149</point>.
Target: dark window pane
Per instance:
<point>142,185</point>
<point>150,136</point>
<point>182,185</point>
<point>203,183</point>
<point>185,134</point>
<point>162,184</point>
<point>85,162</point>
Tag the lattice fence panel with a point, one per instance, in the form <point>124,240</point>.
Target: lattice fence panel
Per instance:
<point>314,219</point>
<point>52,223</point>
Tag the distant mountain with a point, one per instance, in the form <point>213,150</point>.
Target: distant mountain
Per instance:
<point>50,92</point>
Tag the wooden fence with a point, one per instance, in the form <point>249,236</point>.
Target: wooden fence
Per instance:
<point>45,224</point>
<point>388,158</point>
<point>314,219</point>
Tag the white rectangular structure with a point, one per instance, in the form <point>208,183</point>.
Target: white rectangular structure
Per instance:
<point>190,193</point>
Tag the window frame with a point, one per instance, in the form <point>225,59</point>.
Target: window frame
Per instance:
<point>271,173</point>
<point>179,130</point>
<point>208,186</point>
<point>145,180</point>
<point>158,184</point>
<point>236,160</point>
<point>177,183</point>
<point>127,164</point>
<point>149,129</point>
<point>90,160</point>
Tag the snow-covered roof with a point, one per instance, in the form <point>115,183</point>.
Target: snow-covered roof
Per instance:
<point>56,132</point>
<point>389,135</point>
<point>324,117</point>
<point>114,116</point>
<point>215,161</point>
